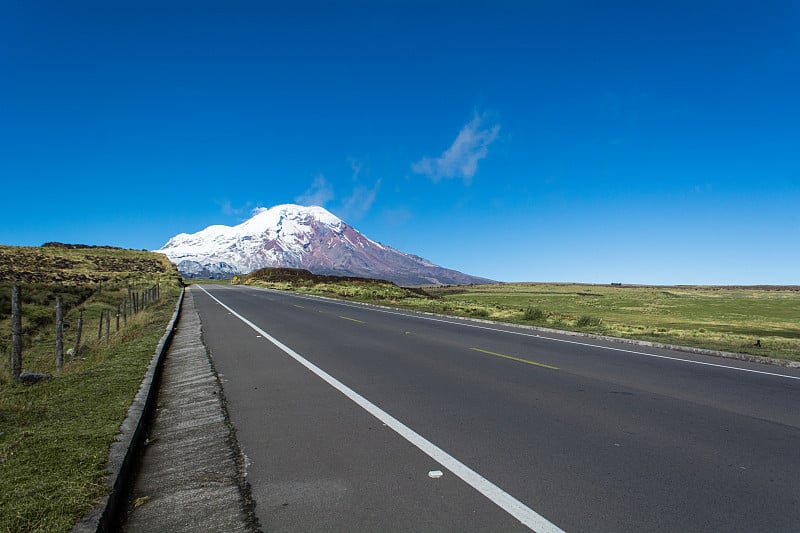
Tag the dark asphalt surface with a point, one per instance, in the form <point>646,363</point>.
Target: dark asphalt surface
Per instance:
<point>605,440</point>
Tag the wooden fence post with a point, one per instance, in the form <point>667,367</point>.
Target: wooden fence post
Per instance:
<point>108,324</point>
<point>16,332</point>
<point>59,333</point>
<point>100,328</point>
<point>77,347</point>
<point>117,317</point>
<point>124,311</point>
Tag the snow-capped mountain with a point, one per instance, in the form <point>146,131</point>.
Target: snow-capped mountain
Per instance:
<point>300,237</point>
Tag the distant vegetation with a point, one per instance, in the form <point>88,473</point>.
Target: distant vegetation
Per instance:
<point>361,289</point>
<point>55,435</point>
<point>720,318</point>
<point>760,321</point>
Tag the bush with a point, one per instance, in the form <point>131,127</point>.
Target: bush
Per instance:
<point>587,321</point>
<point>534,314</point>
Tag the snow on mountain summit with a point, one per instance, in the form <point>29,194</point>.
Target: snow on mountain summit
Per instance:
<point>296,236</point>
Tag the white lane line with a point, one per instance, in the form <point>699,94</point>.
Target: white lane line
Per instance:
<point>498,496</point>
<point>554,339</point>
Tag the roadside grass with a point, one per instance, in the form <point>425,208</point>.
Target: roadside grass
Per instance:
<point>364,291</point>
<point>718,318</point>
<point>55,435</point>
<point>199,281</point>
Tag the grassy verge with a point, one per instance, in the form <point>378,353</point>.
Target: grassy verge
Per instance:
<point>730,319</point>
<point>719,318</point>
<point>55,435</point>
<point>199,281</point>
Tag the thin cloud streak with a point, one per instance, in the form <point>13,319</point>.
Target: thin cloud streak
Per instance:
<point>352,207</point>
<point>320,193</point>
<point>461,159</point>
<point>360,201</point>
<point>228,209</point>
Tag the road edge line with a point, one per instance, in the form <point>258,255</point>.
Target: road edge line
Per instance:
<point>737,356</point>
<point>495,494</point>
<point>464,321</point>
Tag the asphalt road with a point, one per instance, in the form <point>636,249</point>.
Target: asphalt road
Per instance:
<point>529,431</point>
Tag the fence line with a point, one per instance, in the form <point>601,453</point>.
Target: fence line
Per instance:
<point>59,333</point>
<point>133,300</point>
<point>77,347</point>
<point>16,332</point>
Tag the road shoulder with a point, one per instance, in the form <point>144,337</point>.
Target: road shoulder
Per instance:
<point>190,475</point>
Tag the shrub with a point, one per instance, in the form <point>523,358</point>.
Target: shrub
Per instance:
<point>534,314</point>
<point>586,321</point>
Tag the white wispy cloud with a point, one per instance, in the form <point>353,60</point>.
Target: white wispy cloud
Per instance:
<point>319,193</point>
<point>360,200</point>
<point>350,207</point>
<point>228,209</point>
<point>461,159</point>
<point>355,166</point>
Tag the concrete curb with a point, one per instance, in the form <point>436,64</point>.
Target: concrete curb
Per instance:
<point>128,442</point>
<point>190,476</point>
<point>678,348</point>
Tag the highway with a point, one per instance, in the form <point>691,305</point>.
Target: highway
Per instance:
<point>359,418</point>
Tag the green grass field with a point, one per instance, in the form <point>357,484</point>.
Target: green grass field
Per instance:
<point>719,318</point>
<point>55,435</point>
<point>730,319</point>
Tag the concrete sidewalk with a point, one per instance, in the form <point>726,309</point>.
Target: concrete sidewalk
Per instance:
<point>188,478</point>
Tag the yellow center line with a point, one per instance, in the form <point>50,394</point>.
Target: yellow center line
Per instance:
<point>352,319</point>
<point>514,358</point>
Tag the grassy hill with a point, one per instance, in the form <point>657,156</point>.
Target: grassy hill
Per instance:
<point>75,264</point>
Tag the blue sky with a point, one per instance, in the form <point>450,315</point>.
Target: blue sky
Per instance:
<point>636,142</point>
